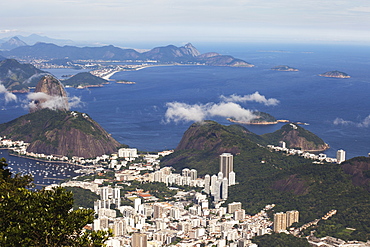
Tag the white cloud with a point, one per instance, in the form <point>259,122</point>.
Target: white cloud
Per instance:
<point>256,97</point>
<point>364,124</point>
<point>46,101</point>
<point>8,95</point>
<point>178,112</point>
<point>75,102</point>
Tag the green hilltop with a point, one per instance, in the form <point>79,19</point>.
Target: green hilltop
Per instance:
<point>265,177</point>
<point>84,79</point>
<point>60,132</point>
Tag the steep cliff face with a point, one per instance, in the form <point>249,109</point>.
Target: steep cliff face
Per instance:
<point>49,93</point>
<point>62,133</point>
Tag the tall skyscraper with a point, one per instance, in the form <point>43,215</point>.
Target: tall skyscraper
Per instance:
<point>279,222</point>
<point>139,240</point>
<point>341,156</point>
<point>226,164</point>
<point>213,184</point>
<point>207,184</point>
<point>217,191</point>
<point>224,188</point>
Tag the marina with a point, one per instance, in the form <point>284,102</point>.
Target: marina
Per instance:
<point>43,173</point>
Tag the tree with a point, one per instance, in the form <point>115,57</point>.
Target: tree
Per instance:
<point>42,217</point>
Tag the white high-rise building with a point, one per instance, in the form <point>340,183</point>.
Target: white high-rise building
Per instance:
<point>217,191</point>
<point>213,184</point>
<point>137,203</point>
<point>193,174</point>
<point>207,184</point>
<point>128,153</point>
<point>341,156</point>
<point>231,178</point>
<point>224,189</point>
<point>186,172</point>
<point>226,164</point>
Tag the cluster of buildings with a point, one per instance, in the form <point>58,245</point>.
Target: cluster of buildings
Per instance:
<point>192,218</point>
<point>188,221</point>
<point>284,220</point>
<point>217,185</point>
<point>341,154</point>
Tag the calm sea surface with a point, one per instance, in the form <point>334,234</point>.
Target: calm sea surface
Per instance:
<point>135,114</point>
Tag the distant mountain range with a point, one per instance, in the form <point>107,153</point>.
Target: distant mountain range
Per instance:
<point>34,38</point>
<point>167,54</point>
<point>19,77</point>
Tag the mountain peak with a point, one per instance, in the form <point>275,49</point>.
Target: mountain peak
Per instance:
<point>189,49</point>
<point>49,93</point>
<point>12,43</point>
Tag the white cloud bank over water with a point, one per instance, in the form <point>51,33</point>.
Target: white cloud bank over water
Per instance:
<point>364,124</point>
<point>8,95</point>
<point>256,97</point>
<point>53,102</point>
<point>182,112</point>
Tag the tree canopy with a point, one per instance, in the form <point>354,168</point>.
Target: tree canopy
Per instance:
<point>42,217</point>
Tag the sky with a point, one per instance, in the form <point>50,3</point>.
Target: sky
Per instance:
<point>180,21</point>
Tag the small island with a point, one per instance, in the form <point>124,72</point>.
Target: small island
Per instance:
<point>284,68</point>
<point>261,118</point>
<point>335,74</point>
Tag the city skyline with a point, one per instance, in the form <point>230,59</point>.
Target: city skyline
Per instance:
<point>129,22</point>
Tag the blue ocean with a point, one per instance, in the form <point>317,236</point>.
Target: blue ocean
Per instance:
<point>337,110</point>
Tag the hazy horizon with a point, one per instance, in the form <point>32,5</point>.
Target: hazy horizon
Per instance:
<point>177,22</point>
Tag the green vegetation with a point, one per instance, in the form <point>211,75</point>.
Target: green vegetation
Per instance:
<point>14,75</point>
<point>60,132</point>
<point>35,125</point>
<point>280,240</point>
<point>84,79</point>
<point>264,177</point>
<point>290,136</point>
<point>82,197</point>
<point>42,218</point>
<point>157,189</point>
<point>263,117</point>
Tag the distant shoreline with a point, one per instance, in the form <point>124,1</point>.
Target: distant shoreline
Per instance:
<point>258,123</point>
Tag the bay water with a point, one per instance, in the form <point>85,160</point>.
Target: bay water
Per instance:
<point>337,110</point>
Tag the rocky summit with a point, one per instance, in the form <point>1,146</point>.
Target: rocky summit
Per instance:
<point>49,93</point>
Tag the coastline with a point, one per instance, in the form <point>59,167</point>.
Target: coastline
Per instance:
<point>258,123</point>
